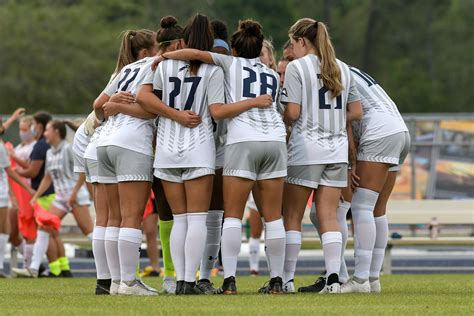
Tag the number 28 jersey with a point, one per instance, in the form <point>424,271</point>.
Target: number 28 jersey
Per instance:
<point>178,146</point>
<point>123,130</point>
<point>246,79</point>
<point>319,135</point>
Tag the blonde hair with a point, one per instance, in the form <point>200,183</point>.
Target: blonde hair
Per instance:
<point>316,33</point>
<point>132,42</point>
<point>28,119</point>
<point>267,44</point>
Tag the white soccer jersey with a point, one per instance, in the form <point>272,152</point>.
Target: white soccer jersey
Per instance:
<point>319,135</point>
<point>381,117</point>
<point>91,149</point>
<point>24,151</point>
<point>60,166</point>
<point>80,142</point>
<point>176,145</point>
<point>246,79</point>
<point>123,130</point>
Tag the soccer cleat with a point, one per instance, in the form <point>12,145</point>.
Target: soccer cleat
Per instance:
<point>190,288</point>
<point>169,285</point>
<point>316,287</point>
<point>66,274</point>
<point>375,286</point>
<point>274,286</point>
<point>228,287</point>
<point>25,273</point>
<point>254,273</point>
<point>3,275</point>
<point>147,286</point>
<point>352,286</point>
<point>149,272</point>
<point>179,287</point>
<point>289,287</point>
<point>114,287</point>
<point>206,287</point>
<point>103,287</point>
<point>136,288</point>
<point>332,285</point>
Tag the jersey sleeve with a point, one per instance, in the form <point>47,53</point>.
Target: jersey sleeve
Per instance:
<point>112,87</point>
<point>215,88</point>
<point>158,80</point>
<point>353,95</point>
<point>46,164</point>
<point>4,161</point>
<point>223,61</point>
<point>292,91</point>
<point>149,75</point>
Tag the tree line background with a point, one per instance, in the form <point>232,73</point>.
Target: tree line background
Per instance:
<point>58,55</point>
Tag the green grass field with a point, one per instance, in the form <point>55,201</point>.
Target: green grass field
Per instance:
<point>402,294</point>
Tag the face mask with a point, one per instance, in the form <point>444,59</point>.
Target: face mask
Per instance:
<point>33,131</point>
<point>26,136</point>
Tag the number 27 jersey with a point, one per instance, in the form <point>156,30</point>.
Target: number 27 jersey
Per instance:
<point>178,146</point>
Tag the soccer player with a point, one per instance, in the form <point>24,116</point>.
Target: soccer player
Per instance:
<point>59,172</point>
<point>22,225</point>
<point>320,97</point>
<point>5,172</point>
<point>255,131</point>
<point>185,157</point>
<point>383,144</point>
<point>125,157</point>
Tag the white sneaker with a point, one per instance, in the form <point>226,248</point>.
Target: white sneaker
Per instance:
<point>136,287</point>
<point>24,273</point>
<point>114,287</point>
<point>375,287</point>
<point>169,285</point>
<point>353,286</point>
<point>149,288</point>
<point>289,287</point>
<point>334,288</point>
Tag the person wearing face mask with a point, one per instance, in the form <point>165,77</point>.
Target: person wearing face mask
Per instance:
<point>22,222</point>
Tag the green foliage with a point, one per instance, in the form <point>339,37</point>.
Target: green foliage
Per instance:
<point>58,54</point>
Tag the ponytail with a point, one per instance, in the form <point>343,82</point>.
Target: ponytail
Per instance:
<point>316,33</point>
<point>198,35</point>
<point>132,42</point>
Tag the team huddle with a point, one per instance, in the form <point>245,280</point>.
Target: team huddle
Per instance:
<point>202,122</point>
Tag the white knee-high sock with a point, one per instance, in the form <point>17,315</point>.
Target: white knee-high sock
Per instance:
<point>275,247</point>
<point>195,244</point>
<point>292,249</point>
<point>231,242</point>
<point>332,243</point>
<point>341,219</point>
<point>130,240</point>
<point>39,249</point>
<point>27,254</point>
<point>177,243</point>
<point>3,247</point>
<point>381,239</point>
<point>362,207</point>
<point>98,249</point>
<point>213,243</point>
<point>112,252</point>
<point>254,253</point>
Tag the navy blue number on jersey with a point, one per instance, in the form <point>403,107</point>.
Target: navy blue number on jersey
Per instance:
<point>124,80</point>
<point>322,99</point>
<point>370,81</point>
<point>267,81</point>
<point>194,81</point>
